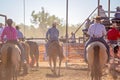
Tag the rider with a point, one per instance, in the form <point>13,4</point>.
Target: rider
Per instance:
<point>72,38</point>
<point>102,12</point>
<point>112,39</point>
<point>117,15</point>
<point>52,34</point>
<point>11,35</point>
<point>96,32</point>
<point>19,33</point>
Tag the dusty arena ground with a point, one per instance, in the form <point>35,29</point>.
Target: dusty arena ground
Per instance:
<point>76,71</point>
<point>73,72</point>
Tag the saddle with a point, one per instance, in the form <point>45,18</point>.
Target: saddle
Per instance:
<point>96,39</point>
<point>12,41</point>
<point>53,42</point>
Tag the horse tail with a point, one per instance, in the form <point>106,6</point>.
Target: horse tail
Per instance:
<point>9,55</point>
<point>96,62</point>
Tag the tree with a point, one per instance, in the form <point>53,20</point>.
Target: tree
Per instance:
<point>44,19</point>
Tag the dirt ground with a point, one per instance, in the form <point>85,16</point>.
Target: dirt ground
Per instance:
<point>73,72</point>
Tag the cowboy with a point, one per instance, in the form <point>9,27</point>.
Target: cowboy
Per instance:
<point>11,35</point>
<point>72,38</point>
<point>117,15</point>
<point>96,32</point>
<point>102,12</point>
<point>52,34</point>
<point>112,39</point>
<point>19,33</point>
<point>87,24</point>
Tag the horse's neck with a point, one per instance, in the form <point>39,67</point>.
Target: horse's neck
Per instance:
<point>55,43</point>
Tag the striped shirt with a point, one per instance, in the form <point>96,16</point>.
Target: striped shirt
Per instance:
<point>10,33</point>
<point>97,30</point>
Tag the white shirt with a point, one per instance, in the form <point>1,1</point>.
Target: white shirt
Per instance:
<point>102,13</point>
<point>97,30</point>
<point>73,38</point>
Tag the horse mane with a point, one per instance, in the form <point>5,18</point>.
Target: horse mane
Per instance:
<point>9,55</point>
<point>56,45</point>
<point>96,62</point>
<point>97,58</point>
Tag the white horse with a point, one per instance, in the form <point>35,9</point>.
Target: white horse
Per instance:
<point>97,58</point>
<point>10,57</point>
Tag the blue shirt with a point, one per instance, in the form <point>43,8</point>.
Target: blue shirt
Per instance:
<point>117,15</point>
<point>19,34</point>
<point>52,34</point>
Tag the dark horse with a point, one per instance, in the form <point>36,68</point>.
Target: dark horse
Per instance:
<point>26,47</point>
<point>10,57</point>
<point>97,58</point>
<point>54,51</point>
<point>34,53</point>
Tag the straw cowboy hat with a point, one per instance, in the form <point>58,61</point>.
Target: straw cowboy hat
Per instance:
<point>97,18</point>
<point>55,22</point>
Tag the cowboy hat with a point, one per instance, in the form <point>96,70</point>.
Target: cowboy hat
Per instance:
<point>118,7</point>
<point>97,18</point>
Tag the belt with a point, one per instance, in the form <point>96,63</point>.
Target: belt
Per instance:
<point>96,36</point>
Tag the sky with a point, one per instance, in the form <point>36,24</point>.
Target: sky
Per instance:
<point>79,10</point>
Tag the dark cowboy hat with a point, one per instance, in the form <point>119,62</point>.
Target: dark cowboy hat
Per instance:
<point>118,7</point>
<point>17,27</point>
<point>115,20</point>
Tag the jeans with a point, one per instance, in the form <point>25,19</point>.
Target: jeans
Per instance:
<point>101,39</point>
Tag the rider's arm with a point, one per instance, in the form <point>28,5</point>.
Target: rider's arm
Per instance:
<point>104,31</point>
<point>47,35</point>
<point>90,30</point>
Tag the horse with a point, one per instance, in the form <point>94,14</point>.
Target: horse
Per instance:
<point>10,57</point>
<point>26,47</point>
<point>54,50</point>
<point>34,53</point>
<point>97,58</point>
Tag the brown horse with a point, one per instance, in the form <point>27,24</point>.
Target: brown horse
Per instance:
<point>54,50</point>
<point>34,53</point>
<point>97,58</point>
<point>10,57</point>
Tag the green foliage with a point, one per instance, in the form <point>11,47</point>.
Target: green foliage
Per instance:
<point>44,20</point>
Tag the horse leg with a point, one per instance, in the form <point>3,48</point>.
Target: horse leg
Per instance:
<point>54,63</point>
<point>32,60</point>
<point>37,60</point>
<point>60,60</point>
<point>50,63</point>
